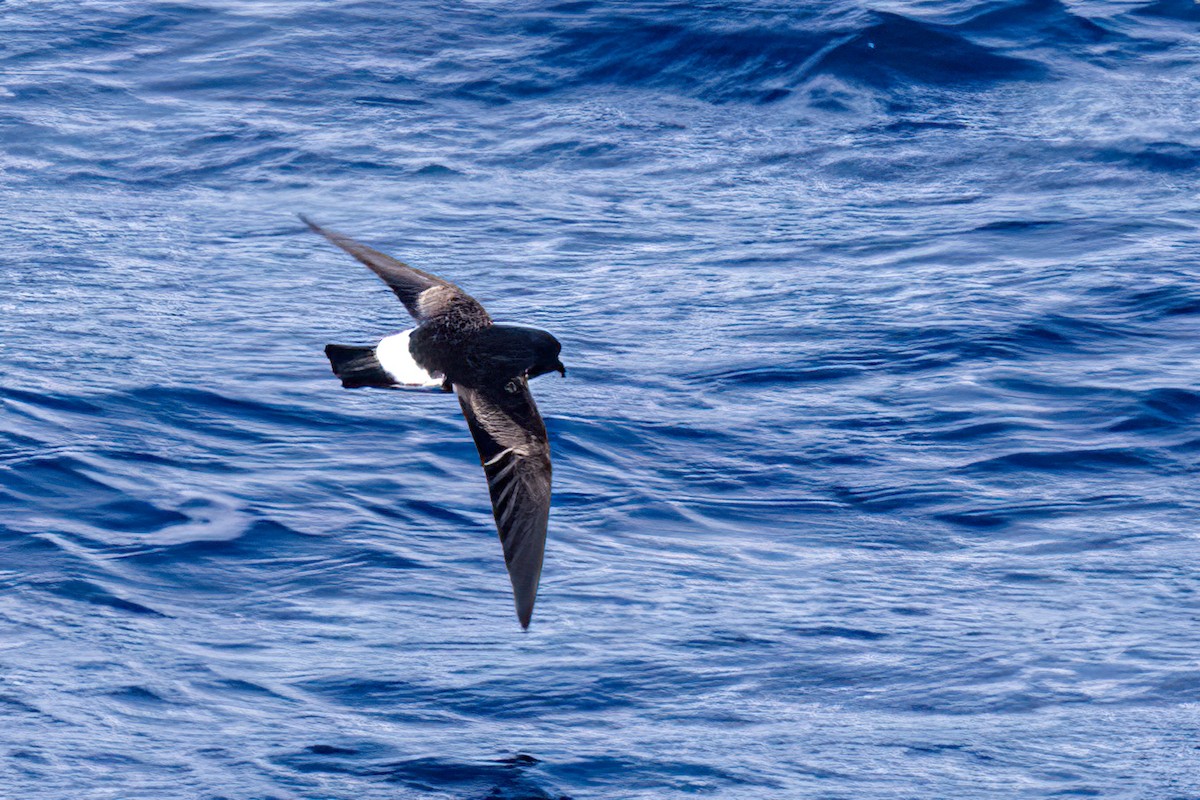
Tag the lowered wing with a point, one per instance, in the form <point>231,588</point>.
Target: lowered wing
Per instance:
<point>512,443</point>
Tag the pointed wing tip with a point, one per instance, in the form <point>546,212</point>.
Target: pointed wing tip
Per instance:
<point>524,596</point>
<point>525,616</point>
<point>312,226</point>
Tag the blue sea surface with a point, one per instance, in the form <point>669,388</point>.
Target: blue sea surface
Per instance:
<point>875,462</point>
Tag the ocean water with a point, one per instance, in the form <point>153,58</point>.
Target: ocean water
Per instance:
<point>875,462</point>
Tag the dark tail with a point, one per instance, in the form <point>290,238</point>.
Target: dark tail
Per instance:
<point>357,366</point>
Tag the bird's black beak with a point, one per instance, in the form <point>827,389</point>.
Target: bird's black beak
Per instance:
<point>558,365</point>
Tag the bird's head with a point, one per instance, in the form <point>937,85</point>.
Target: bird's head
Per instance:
<point>519,351</point>
<point>545,351</point>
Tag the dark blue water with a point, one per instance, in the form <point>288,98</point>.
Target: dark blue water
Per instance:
<point>875,462</point>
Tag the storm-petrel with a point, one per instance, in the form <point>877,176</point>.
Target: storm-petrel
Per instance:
<point>456,346</point>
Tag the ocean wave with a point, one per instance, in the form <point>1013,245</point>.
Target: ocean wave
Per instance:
<point>766,64</point>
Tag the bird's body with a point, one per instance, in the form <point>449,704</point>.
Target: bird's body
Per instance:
<point>458,347</point>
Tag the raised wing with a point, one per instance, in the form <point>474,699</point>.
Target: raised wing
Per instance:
<point>425,296</point>
<point>511,438</point>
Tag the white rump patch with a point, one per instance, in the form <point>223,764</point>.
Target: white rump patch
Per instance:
<point>393,355</point>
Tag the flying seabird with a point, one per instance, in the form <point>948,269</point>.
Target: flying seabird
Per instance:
<point>457,347</point>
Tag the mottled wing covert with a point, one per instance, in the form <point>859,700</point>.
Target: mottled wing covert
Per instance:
<point>425,296</point>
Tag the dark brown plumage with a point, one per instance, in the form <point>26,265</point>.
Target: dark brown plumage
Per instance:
<point>488,366</point>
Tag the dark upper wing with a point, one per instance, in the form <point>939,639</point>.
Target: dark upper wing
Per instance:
<point>511,438</point>
<point>424,295</point>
